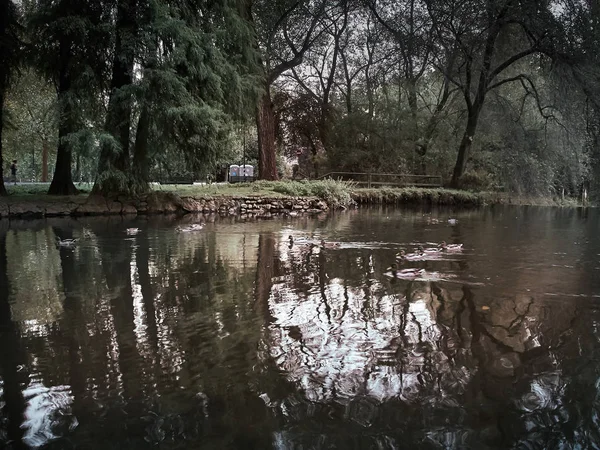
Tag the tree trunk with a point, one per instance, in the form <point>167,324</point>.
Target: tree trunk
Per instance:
<point>465,146</point>
<point>62,181</point>
<point>78,168</point>
<point>432,124</point>
<point>140,166</point>
<point>113,167</point>
<point>44,160</point>
<point>423,146</point>
<point>265,122</point>
<point>349,100</point>
<point>370,95</point>
<point>2,187</point>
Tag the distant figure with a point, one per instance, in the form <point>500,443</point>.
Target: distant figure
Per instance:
<point>13,171</point>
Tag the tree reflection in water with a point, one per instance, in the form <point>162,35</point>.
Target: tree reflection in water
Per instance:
<point>233,338</point>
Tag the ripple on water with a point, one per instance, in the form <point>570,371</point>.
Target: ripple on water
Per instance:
<point>48,414</point>
<point>545,392</point>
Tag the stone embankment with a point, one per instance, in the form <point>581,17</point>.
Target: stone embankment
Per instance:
<point>161,203</point>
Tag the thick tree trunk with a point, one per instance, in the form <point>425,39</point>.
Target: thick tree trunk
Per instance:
<point>2,187</point>
<point>62,181</point>
<point>113,167</point>
<point>78,168</point>
<point>141,166</point>
<point>465,147</point>
<point>44,160</point>
<point>265,122</point>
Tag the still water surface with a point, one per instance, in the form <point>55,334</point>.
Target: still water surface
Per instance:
<point>233,337</point>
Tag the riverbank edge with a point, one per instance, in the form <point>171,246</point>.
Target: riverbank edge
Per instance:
<point>261,205</point>
<point>160,203</point>
<point>451,197</point>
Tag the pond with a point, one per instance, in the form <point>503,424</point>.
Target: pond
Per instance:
<point>152,333</point>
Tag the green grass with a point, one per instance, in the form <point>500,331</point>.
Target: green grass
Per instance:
<point>335,193</point>
<point>439,196</point>
<point>209,190</point>
<point>41,189</point>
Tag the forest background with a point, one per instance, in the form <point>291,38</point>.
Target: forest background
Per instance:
<point>490,94</point>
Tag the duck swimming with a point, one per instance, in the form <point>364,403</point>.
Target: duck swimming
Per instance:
<point>417,256</point>
<point>404,273</point>
<point>329,244</point>
<point>65,242</point>
<point>429,250</point>
<point>132,231</point>
<point>451,247</point>
<point>190,228</point>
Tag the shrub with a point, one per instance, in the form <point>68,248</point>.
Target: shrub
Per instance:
<point>335,192</point>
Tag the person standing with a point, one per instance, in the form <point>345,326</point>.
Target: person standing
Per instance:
<point>13,171</point>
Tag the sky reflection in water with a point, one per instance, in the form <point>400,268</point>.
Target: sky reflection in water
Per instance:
<point>233,337</point>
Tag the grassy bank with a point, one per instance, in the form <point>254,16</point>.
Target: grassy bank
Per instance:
<point>441,196</point>
<point>335,193</point>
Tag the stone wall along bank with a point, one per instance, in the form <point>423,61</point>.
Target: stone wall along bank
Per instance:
<point>161,203</point>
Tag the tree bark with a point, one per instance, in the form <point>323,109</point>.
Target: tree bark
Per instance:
<point>432,124</point>
<point>265,122</point>
<point>140,166</point>
<point>465,146</point>
<point>2,187</point>
<point>62,181</point>
<point>118,117</point>
<point>44,160</point>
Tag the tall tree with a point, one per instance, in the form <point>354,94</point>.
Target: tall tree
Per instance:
<point>413,34</point>
<point>285,31</point>
<point>195,82</point>
<point>31,106</point>
<point>9,56</point>
<point>68,45</point>
<point>114,160</point>
<point>323,62</point>
<point>491,36</point>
